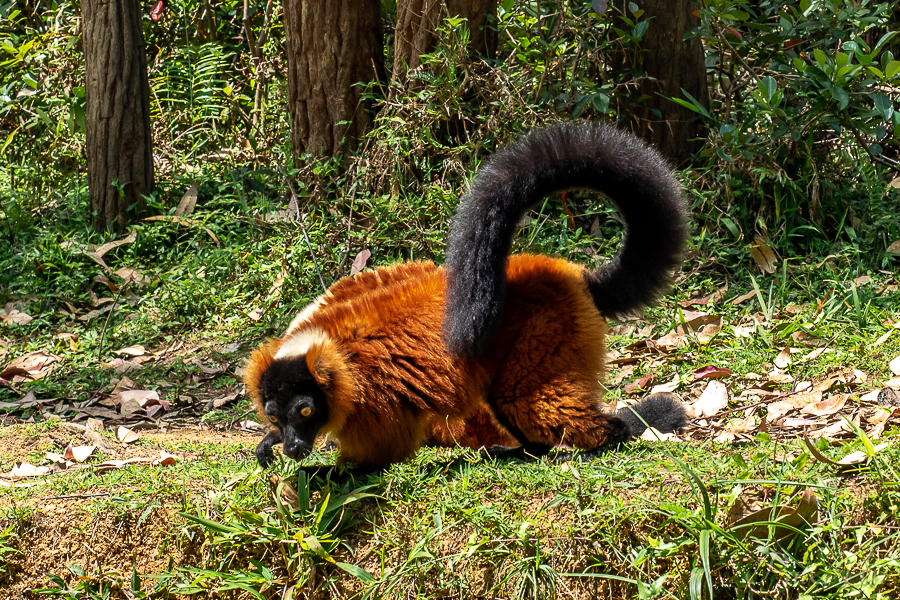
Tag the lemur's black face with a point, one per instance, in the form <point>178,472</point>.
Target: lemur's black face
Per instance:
<point>295,404</point>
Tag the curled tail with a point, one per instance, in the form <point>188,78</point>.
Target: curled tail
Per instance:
<point>635,176</point>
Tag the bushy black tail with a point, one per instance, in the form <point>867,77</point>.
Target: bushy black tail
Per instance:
<point>634,175</point>
<point>663,412</point>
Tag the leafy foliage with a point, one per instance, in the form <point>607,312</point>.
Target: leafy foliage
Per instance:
<point>803,126</point>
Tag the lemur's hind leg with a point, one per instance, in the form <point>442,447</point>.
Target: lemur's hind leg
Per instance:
<point>562,413</point>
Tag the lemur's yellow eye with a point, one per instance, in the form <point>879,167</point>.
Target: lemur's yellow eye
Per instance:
<point>306,411</point>
<point>273,419</point>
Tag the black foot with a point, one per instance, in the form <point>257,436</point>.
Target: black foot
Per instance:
<point>264,454</point>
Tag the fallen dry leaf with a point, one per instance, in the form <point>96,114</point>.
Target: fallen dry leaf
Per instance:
<point>816,354</point>
<point>626,328</point>
<point>129,407</point>
<point>783,360</point>
<point>825,384</point>
<point>763,255</point>
<point>652,435</point>
<point>219,402</point>
<point>275,291</point>
<point>712,372</point>
<point>78,453</point>
<point>638,384</point>
<point>130,276</point>
<point>136,350</point>
<point>104,280</point>
<point>34,364</point>
<point>713,399</point>
<point>869,396</point>
<point>123,384</point>
<point>616,376</point>
<point>188,201</point>
<point>801,400</point>
<point>671,340</point>
<point>804,386</point>
<point>208,370</point>
<point>57,458</point>
<point>860,456</point>
<point>786,520</point>
<point>698,326</point>
<point>743,425</point>
<point>880,415</point>
<point>795,422</point>
<point>807,339</point>
<point>15,317</point>
<point>70,337</point>
<point>359,263</point>
<point>26,470</point>
<point>826,407</point>
<point>742,298</point>
<point>743,331</point>
<point>99,252</point>
<point>165,460</point>
<point>127,436</point>
<point>90,316</point>
<point>8,373</point>
<point>836,429</point>
<point>284,492</point>
<point>782,407</point>
<point>713,298</point>
<point>886,397</point>
<point>894,366</point>
<point>141,397</point>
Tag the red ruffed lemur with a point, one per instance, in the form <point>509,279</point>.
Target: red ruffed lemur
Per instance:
<point>490,349</point>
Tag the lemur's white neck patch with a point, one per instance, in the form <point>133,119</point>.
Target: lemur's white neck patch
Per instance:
<point>307,312</point>
<point>300,343</point>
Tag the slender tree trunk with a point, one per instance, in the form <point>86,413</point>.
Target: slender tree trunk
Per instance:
<point>417,22</point>
<point>119,147</point>
<point>331,45</point>
<point>671,64</point>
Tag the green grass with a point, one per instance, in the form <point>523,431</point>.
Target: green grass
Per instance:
<point>650,521</point>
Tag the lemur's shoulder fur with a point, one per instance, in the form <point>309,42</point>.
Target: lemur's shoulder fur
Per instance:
<point>489,348</point>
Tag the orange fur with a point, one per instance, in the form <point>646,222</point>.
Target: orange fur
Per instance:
<point>259,361</point>
<point>391,384</point>
<point>489,347</point>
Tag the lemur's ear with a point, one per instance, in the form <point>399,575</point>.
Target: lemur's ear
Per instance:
<point>325,361</point>
<point>259,362</point>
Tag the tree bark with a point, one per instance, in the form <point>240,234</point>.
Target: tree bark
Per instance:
<point>671,64</point>
<point>331,46</point>
<point>119,146</point>
<point>417,22</point>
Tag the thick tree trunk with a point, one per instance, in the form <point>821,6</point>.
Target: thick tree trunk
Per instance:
<point>670,64</point>
<point>417,21</point>
<point>331,45</point>
<point>119,147</point>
